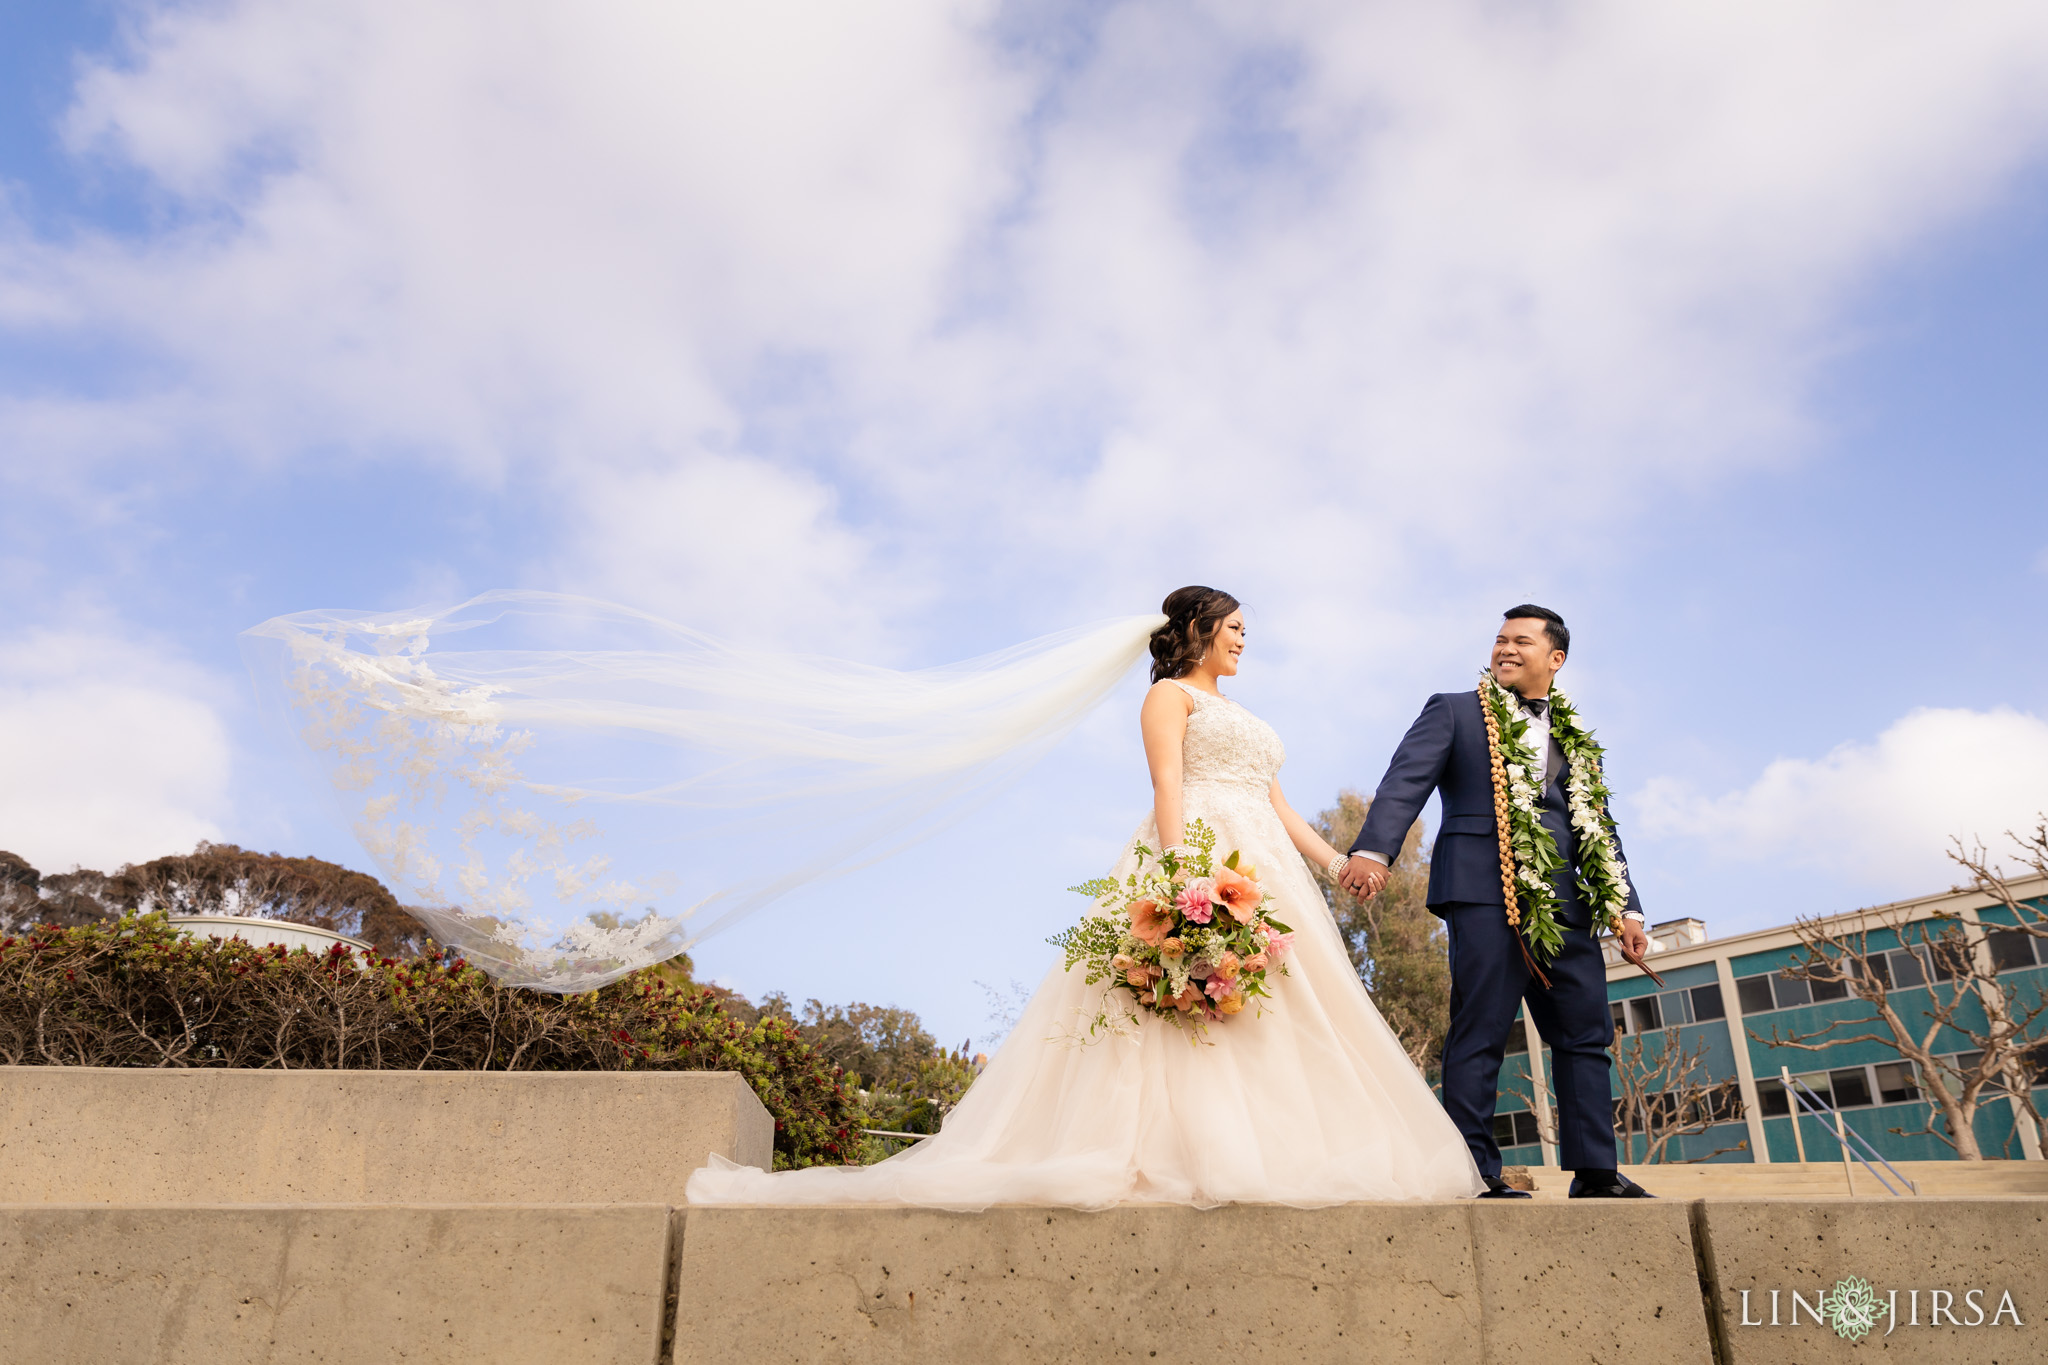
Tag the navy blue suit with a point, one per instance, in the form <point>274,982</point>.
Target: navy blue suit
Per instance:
<point>1445,751</point>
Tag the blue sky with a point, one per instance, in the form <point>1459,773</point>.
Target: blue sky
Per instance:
<point>1719,329</point>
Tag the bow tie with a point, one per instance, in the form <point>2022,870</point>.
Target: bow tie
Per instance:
<point>1535,706</point>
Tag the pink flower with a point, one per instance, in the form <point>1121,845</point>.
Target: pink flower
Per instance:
<point>1195,902</point>
<point>1150,923</point>
<point>1278,944</point>
<point>1255,963</point>
<point>1239,895</point>
<point>1219,987</point>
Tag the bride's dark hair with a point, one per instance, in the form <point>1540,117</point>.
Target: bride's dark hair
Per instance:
<point>1193,616</point>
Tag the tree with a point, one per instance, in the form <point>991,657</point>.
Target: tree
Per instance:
<point>1932,983</point>
<point>881,1045</point>
<point>20,893</point>
<point>1397,946</point>
<point>216,879</point>
<point>1668,1097</point>
<point>223,879</point>
<point>2030,921</point>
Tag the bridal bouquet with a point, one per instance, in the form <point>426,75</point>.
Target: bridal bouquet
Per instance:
<point>1190,938</point>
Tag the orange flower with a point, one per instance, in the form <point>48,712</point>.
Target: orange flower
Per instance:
<point>1189,998</point>
<point>1146,997</point>
<point>1255,963</point>
<point>1173,947</point>
<point>1150,921</point>
<point>1227,968</point>
<point>1238,894</point>
<point>1231,1003</point>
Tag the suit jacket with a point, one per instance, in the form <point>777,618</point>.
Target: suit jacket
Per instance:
<point>1445,751</point>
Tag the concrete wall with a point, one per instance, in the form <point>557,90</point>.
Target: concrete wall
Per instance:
<point>221,1286</point>
<point>75,1135</point>
<point>1464,1284</point>
<point>1902,1245</point>
<point>1455,1283</point>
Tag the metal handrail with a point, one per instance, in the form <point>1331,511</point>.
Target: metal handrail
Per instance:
<point>1853,1143</point>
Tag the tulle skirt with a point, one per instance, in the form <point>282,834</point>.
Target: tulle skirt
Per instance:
<point>1308,1103</point>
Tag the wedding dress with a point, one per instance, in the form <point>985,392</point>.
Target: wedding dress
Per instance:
<point>1308,1102</point>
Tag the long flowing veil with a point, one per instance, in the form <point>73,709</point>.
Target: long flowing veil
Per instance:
<point>567,790</point>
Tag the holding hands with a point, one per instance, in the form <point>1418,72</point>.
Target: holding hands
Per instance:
<point>1362,876</point>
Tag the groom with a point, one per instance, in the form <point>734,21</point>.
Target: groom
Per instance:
<point>1446,751</point>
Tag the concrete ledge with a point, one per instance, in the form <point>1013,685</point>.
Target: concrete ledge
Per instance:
<point>219,1286</point>
<point>1467,1283</point>
<point>1817,1180</point>
<point>77,1135</point>
<point>1457,1282</point>
<point>1927,1244</point>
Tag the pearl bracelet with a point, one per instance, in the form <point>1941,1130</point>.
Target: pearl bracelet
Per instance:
<point>1338,865</point>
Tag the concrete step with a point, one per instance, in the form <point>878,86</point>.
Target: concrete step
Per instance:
<point>1816,1180</point>
<point>1468,1283</point>
<point>91,1135</point>
<point>508,1284</point>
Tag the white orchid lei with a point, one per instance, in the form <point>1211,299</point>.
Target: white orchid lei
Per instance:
<point>1529,856</point>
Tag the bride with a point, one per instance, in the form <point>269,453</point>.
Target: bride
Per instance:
<point>1307,1101</point>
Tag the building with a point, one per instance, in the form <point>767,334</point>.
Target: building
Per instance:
<point>1719,995</point>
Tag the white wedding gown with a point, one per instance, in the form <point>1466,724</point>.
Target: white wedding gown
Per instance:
<point>1310,1102</point>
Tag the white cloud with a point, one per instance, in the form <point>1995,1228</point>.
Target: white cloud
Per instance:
<point>736,547</point>
<point>1004,290</point>
<point>1879,813</point>
<point>112,753</point>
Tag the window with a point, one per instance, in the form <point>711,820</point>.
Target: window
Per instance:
<point>1515,1130</point>
<point>1905,968</point>
<point>1948,956</point>
<point>1896,1084</point>
<point>1518,1038</point>
<point>1964,1066</point>
<point>1790,991</point>
<point>1851,1087</point>
<point>1770,1097</point>
<point>1614,1008</point>
<point>1706,1003</point>
<point>1828,990</point>
<point>2011,948</point>
<point>1643,1015</point>
<point>1753,993</point>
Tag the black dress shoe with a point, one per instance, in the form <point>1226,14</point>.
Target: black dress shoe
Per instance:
<point>1606,1185</point>
<point>1496,1188</point>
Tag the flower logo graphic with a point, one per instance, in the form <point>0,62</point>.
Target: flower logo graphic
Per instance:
<point>1851,1308</point>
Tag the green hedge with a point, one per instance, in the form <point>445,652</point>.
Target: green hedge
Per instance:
<point>138,993</point>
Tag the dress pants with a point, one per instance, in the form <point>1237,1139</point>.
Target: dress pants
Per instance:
<point>1488,980</point>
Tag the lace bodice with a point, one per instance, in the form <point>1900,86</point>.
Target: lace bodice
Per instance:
<point>1228,746</point>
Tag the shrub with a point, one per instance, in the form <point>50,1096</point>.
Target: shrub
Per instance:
<point>138,993</point>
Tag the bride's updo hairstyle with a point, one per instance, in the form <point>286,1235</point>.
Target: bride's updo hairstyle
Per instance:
<point>1193,616</point>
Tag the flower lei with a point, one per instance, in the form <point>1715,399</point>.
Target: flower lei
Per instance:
<point>1528,852</point>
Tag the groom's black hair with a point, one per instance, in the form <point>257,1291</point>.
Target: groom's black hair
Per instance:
<point>1553,624</point>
